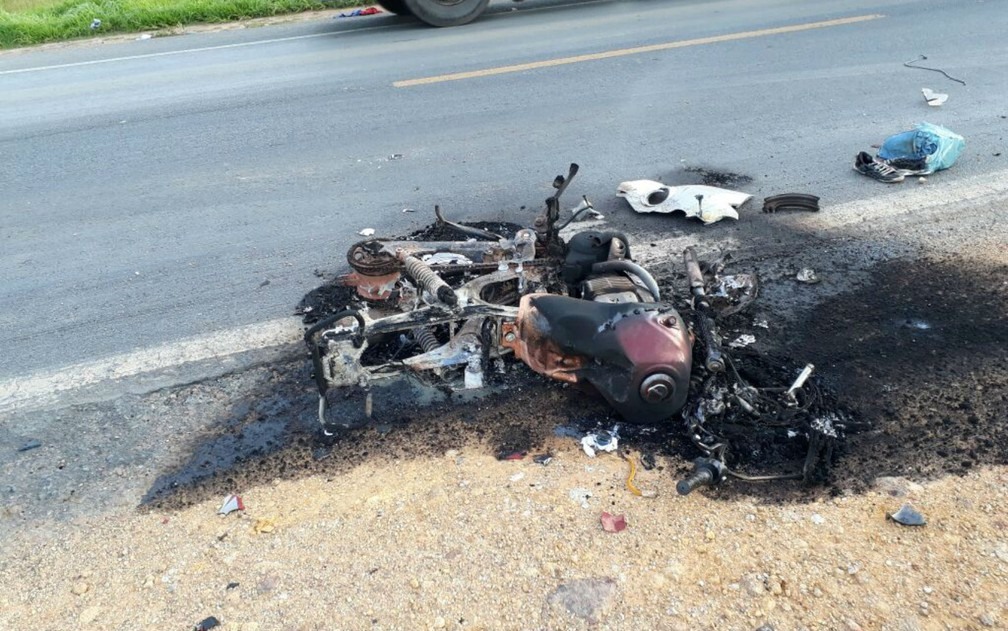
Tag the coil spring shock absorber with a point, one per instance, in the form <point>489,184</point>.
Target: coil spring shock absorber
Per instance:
<point>427,278</point>
<point>424,336</point>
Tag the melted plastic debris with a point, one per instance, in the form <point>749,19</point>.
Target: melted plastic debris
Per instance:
<point>708,203</point>
<point>602,440</point>
<point>826,425</point>
<point>908,516</point>
<point>231,504</point>
<point>807,275</point>
<point>543,459</point>
<point>934,99</point>
<point>206,624</point>
<point>743,340</point>
<point>732,293</point>
<point>446,258</point>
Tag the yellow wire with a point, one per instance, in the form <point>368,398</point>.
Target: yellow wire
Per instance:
<point>633,473</point>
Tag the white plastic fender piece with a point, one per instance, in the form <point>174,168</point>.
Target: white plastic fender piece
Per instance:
<point>709,203</point>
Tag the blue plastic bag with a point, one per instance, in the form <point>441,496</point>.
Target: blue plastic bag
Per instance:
<point>936,146</point>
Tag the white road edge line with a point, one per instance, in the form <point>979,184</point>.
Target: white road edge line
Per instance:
<point>168,53</point>
<point>17,392</point>
<point>942,189</point>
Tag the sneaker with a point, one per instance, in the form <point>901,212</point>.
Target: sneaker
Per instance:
<point>912,166</point>
<point>876,170</point>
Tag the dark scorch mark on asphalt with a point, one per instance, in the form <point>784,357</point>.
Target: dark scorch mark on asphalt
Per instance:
<point>707,176</point>
<point>920,352</point>
<point>923,349</point>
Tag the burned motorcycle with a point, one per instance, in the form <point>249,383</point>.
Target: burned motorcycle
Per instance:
<point>579,311</point>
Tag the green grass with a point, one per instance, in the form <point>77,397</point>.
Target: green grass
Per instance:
<point>27,22</point>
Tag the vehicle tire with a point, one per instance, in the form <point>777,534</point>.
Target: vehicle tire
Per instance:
<point>447,12</point>
<point>395,6</point>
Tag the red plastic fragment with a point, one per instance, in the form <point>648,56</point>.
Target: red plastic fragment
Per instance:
<point>613,523</point>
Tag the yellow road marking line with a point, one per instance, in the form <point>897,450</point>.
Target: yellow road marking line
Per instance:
<point>622,52</point>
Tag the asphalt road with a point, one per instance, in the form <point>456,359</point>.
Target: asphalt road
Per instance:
<point>160,189</point>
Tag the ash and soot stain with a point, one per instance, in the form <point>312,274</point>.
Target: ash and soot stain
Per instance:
<point>923,351</point>
<point>707,177</point>
<point>919,352</point>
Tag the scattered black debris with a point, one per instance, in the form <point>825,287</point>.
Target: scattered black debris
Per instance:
<point>207,624</point>
<point>908,516</point>
<point>791,201</point>
<point>511,455</point>
<point>647,460</point>
<point>912,62</point>
<point>330,297</point>
<point>443,232</point>
<point>712,177</point>
<point>29,445</point>
<point>744,418</point>
<point>543,459</point>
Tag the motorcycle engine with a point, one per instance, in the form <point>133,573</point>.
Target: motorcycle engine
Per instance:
<point>615,335</point>
<point>615,288</point>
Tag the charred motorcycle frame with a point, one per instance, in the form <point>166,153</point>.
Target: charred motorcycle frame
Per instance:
<point>580,311</point>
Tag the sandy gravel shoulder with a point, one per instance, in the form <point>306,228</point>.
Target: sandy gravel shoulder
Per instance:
<point>468,542</point>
